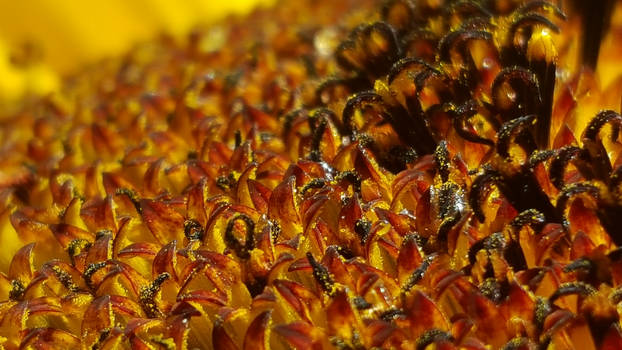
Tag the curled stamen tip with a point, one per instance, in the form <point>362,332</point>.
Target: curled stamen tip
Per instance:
<point>580,288</point>
<point>432,336</point>
<point>148,295</point>
<point>596,124</point>
<point>579,264</point>
<point>528,217</point>
<point>510,130</point>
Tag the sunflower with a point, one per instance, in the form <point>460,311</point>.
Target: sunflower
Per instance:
<point>356,174</point>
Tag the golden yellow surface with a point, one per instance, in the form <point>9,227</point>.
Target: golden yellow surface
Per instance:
<point>41,40</point>
<point>106,173</point>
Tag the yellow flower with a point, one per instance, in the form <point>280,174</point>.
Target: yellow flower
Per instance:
<point>320,174</point>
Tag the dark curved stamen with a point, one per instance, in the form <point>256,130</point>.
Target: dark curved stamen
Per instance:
<point>604,117</point>
<point>397,158</point>
<point>352,177</point>
<point>522,190</point>
<point>371,49</point>
<point>510,130</point>
<point>495,241</point>
<point>329,115</point>
<point>580,288</point>
<point>103,335</point>
<point>558,165</point>
<point>432,336</point>
<point>531,19</point>
<point>616,296</point>
<point>529,217</point>
<point>608,213</point>
<point>224,182</point>
<point>316,183</point>
<point>344,252</point>
<point>65,279</point>
<point>391,314</point>
<point>579,264</point>
<point>478,23</point>
<point>193,230</point>
<point>275,231</point>
<point>390,48</point>
<point>460,116</point>
<point>360,101</point>
<point>598,155</point>
<point>571,191</point>
<point>513,253</point>
<point>479,185</point>
<point>132,196</point>
<point>410,123</point>
<point>149,293</point>
<point>17,290</point>
<point>494,290</point>
<point>241,250</point>
<point>541,310</point>
<point>360,303</point>
<point>446,225</point>
<point>90,270</point>
<point>321,275</point>
<point>417,274</point>
<point>518,343</point>
<point>409,64</point>
<point>544,5</point>
<point>422,77</point>
<point>458,40</point>
<point>539,156</point>
<point>76,247</point>
<point>348,48</point>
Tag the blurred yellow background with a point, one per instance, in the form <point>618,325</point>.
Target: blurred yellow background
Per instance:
<point>41,40</point>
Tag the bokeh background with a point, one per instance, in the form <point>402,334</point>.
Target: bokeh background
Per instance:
<point>43,40</point>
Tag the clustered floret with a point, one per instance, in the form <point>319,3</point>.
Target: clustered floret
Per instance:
<point>414,174</point>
